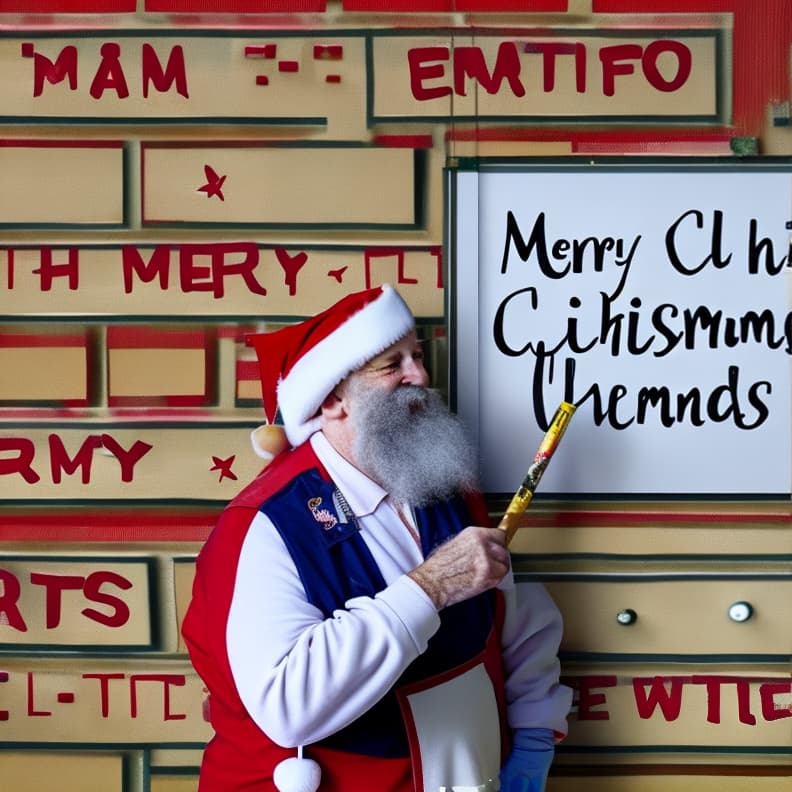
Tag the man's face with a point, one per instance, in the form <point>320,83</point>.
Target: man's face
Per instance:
<point>402,434</point>
<point>400,364</point>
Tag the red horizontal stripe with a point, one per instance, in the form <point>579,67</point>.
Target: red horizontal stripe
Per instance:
<point>404,141</point>
<point>57,144</point>
<point>247,370</point>
<point>102,526</point>
<point>633,519</point>
<point>68,6</point>
<point>236,6</point>
<point>12,340</point>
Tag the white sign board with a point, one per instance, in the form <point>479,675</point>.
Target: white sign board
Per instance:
<point>655,297</point>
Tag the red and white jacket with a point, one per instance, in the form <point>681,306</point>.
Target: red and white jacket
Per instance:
<point>282,673</point>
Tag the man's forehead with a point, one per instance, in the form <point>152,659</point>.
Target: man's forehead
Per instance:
<point>406,343</point>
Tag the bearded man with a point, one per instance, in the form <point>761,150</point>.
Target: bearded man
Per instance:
<point>353,603</point>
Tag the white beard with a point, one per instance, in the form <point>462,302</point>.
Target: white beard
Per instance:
<point>408,442</point>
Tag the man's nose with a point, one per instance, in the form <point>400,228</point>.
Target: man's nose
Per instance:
<point>414,373</point>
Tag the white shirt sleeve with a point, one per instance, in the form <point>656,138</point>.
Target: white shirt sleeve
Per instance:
<point>531,637</point>
<point>303,677</point>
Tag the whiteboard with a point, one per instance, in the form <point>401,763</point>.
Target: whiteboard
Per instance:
<point>654,296</point>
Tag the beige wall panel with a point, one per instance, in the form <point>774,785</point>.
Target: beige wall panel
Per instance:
<point>280,186</point>
<point>39,771</point>
<point>148,462</point>
<point>278,281</point>
<point>61,603</point>
<point>156,372</point>
<point>82,701</point>
<point>670,783</point>
<point>43,373</point>
<point>62,184</point>
<point>710,708</point>
<point>675,616</point>
<point>414,77</point>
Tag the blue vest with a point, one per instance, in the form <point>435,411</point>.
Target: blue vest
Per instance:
<point>335,565</point>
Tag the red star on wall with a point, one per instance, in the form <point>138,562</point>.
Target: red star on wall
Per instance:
<point>224,466</point>
<point>214,183</point>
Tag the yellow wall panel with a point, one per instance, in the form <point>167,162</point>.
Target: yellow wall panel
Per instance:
<point>95,702</point>
<point>39,771</point>
<point>670,614</point>
<point>279,185</point>
<point>706,708</point>
<point>149,462</point>
<point>670,783</point>
<point>43,373</point>
<point>156,372</point>
<point>60,602</point>
<point>62,184</point>
<point>173,783</point>
<point>217,278</point>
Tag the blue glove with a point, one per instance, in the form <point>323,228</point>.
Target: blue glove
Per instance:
<point>526,768</point>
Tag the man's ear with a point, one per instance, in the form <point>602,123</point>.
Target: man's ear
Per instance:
<point>333,407</point>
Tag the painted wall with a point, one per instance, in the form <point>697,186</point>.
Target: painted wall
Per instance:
<point>176,174</point>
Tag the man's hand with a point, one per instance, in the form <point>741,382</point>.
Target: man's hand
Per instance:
<point>472,562</point>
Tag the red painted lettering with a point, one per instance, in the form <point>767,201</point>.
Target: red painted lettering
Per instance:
<point>423,67</point>
<point>291,265</point>
<point>64,67</point>
<point>166,680</point>
<point>191,274</point>
<point>22,462</point>
<point>767,692</point>
<point>614,63</point>
<point>55,585</point>
<point>104,689</point>
<point>127,458</point>
<point>620,59</point>
<point>549,50</point>
<point>669,701</point>
<point>49,271</point>
<point>469,62</point>
<point>684,64</point>
<point>110,74</point>
<point>587,699</point>
<point>714,684</point>
<point>31,707</point>
<point>92,590</point>
<point>174,72</point>
<point>9,612</point>
<point>158,266</point>
<point>61,463</point>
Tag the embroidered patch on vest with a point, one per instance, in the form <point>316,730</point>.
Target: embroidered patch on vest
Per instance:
<point>324,517</point>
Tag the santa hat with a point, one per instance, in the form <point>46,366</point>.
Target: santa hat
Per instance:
<point>302,363</point>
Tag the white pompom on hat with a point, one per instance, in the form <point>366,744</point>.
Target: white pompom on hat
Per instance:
<point>302,363</point>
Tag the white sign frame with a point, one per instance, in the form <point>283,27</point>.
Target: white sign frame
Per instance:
<point>672,233</point>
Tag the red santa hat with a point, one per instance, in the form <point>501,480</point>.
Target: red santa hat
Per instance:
<point>302,363</point>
